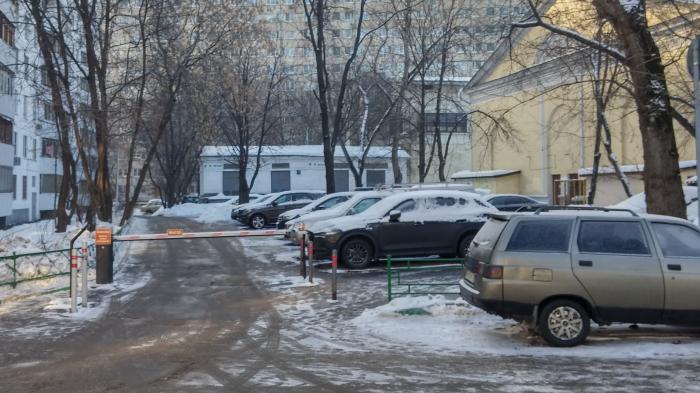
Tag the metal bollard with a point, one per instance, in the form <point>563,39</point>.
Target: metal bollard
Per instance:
<point>73,281</point>
<point>334,277</point>
<point>310,245</point>
<point>302,256</point>
<point>84,273</point>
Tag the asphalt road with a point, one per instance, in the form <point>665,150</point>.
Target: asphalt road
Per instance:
<point>202,324</point>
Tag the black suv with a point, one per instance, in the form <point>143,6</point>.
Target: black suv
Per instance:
<point>414,223</point>
<point>258,215</point>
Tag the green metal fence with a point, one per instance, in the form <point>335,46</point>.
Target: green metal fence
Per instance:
<point>18,268</point>
<point>412,267</point>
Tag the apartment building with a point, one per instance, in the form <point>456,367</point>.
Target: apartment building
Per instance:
<point>30,166</point>
<point>477,26</point>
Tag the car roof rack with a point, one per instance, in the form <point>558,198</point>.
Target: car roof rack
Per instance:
<point>584,208</point>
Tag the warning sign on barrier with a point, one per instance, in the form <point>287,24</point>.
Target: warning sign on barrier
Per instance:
<point>175,232</point>
<point>103,236</point>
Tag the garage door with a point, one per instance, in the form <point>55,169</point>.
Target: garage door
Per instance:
<point>342,180</point>
<point>280,181</point>
<point>230,183</point>
<point>376,177</point>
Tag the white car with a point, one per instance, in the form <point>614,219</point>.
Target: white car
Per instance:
<point>355,205</point>
<point>323,203</point>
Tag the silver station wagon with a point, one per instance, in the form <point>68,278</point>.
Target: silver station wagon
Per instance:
<point>560,268</point>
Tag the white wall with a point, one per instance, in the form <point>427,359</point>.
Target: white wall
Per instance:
<point>306,173</point>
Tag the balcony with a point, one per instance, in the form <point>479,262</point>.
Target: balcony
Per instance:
<point>7,153</point>
<point>8,104</point>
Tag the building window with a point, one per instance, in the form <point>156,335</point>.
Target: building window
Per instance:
<point>44,75</point>
<point>6,77</point>
<point>6,179</point>
<point>24,188</point>
<point>49,148</point>
<point>7,30</point>
<point>33,181</point>
<point>84,84</point>
<point>25,146</point>
<point>136,172</point>
<point>14,187</point>
<point>5,131</point>
<point>48,184</point>
<point>49,114</point>
<point>34,148</point>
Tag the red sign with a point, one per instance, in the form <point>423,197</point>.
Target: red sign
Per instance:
<point>103,236</point>
<point>175,232</point>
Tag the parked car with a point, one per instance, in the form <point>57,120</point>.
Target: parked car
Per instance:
<point>637,202</point>
<point>359,202</point>
<point>323,203</point>
<point>192,198</point>
<point>558,270</point>
<point>151,206</point>
<point>252,198</point>
<point>236,211</point>
<point>258,215</point>
<point>414,223</point>
<point>513,202</point>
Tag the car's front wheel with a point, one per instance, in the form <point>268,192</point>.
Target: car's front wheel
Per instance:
<point>356,253</point>
<point>258,221</point>
<point>564,323</point>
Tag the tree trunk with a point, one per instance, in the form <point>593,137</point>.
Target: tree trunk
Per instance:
<point>662,180</point>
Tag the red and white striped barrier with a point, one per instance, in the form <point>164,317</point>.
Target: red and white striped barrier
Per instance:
<point>178,234</point>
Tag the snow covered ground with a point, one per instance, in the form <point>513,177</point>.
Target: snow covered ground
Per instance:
<point>48,315</point>
<point>361,320</point>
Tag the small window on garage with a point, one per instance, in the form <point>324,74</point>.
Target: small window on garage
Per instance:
<point>376,177</point>
<point>612,237</point>
<point>541,235</point>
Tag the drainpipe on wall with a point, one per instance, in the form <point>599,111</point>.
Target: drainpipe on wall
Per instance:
<point>544,149</point>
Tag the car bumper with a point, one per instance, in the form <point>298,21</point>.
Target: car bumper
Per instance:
<point>323,249</point>
<point>518,311</point>
<point>281,223</point>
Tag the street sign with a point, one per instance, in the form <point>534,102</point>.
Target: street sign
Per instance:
<point>103,236</point>
<point>175,232</point>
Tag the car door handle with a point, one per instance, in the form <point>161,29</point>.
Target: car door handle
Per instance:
<point>585,263</point>
<point>674,267</point>
<point>418,223</point>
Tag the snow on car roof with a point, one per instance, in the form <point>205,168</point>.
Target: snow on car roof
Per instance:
<point>302,151</point>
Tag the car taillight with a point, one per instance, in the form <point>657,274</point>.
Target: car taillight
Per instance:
<point>492,272</point>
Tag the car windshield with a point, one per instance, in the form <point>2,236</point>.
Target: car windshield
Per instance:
<point>364,204</point>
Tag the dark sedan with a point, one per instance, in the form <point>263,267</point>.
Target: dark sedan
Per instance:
<point>258,215</point>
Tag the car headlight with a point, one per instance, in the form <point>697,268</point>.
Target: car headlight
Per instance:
<point>330,236</point>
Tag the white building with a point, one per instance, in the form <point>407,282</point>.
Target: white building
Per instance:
<point>30,166</point>
<point>293,168</point>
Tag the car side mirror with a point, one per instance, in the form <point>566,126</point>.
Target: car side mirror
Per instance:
<point>351,212</point>
<point>394,215</point>
<point>273,203</point>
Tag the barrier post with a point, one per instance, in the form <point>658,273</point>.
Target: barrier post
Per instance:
<point>310,245</point>
<point>73,281</point>
<point>302,256</point>
<point>104,256</point>
<point>84,273</point>
<point>334,278</point>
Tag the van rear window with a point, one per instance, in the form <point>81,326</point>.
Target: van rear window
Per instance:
<point>541,235</point>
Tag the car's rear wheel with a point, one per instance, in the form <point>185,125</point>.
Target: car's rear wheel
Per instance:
<point>564,323</point>
<point>258,221</point>
<point>356,253</point>
<point>464,245</point>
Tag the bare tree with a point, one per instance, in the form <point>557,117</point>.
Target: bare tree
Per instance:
<point>637,50</point>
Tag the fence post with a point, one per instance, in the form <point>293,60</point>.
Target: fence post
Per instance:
<point>388,275</point>
<point>14,269</point>
<point>302,256</point>
<point>334,277</point>
<point>310,245</point>
<point>84,273</point>
<point>73,281</point>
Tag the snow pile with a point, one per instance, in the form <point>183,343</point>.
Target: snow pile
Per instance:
<point>202,212</point>
<point>436,324</point>
<point>637,203</point>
